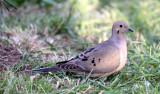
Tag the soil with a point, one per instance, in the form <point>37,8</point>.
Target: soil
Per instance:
<point>9,56</point>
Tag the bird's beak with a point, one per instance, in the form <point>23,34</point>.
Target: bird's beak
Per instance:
<point>130,30</point>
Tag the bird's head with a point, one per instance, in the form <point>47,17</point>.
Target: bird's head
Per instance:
<point>120,27</point>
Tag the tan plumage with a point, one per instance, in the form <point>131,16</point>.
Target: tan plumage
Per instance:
<point>105,58</point>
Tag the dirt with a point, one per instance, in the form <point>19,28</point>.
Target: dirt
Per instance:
<point>9,56</point>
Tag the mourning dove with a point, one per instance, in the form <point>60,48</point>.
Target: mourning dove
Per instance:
<point>102,59</point>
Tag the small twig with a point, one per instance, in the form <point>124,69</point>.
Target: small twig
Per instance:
<point>1,6</point>
<point>101,92</point>
<point>5,5</point>
<point>88,75</point>
<point>87,90</point>
<point>137,35</point>
<point>10,4</point>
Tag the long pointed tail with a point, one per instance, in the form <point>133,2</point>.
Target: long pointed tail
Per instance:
<point>43,70</point>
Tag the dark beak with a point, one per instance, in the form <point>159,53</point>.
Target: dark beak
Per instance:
<point>130,30</point>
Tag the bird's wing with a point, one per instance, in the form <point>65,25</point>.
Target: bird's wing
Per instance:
<point>102,58</point>
<point>106,59</point>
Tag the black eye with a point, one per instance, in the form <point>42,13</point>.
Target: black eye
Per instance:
<point>120,26</point>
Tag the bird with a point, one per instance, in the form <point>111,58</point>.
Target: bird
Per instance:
<point>103,59</point>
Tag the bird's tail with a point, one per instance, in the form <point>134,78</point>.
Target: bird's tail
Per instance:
<point>43,70</point>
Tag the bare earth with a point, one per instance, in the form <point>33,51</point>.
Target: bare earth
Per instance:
<point>9,56</point>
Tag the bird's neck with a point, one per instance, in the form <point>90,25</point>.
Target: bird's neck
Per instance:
<point>120,42</point>
<point>119,39</point>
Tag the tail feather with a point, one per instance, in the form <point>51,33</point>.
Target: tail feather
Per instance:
<point>47,69</point>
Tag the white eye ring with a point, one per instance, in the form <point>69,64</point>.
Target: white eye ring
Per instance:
<point>120,26</point>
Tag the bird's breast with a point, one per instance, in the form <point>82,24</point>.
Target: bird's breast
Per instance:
<point>123,57</point>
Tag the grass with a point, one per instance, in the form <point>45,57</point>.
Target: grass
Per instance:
<point>64,29</point>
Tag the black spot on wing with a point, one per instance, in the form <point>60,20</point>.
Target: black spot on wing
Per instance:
<point>85,59</point>
<point>62,62</point>
<point>93,61</point>
<point>118,32</point>
<point>73,67</point>
<point>81,55</point>
<point>76,57</point>
<point>99,60</point>
<point>89,50</point>
<point>70,67</point>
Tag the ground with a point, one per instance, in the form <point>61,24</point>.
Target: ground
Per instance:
<point>9,56</point>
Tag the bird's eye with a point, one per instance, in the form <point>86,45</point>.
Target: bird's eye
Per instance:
<point>120,26</point>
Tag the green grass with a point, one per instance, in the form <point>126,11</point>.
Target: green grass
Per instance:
<point>64,29</point>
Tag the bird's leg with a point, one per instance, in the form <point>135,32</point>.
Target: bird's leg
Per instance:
<point>106,80</point>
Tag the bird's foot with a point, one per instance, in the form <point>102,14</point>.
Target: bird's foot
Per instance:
<point>106,81</point>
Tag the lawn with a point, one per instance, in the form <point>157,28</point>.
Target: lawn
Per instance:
<point>40,33</point>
